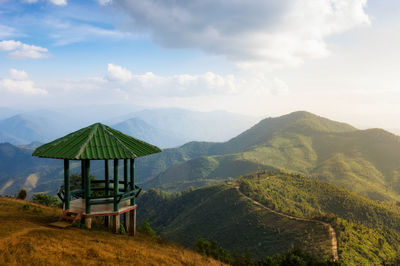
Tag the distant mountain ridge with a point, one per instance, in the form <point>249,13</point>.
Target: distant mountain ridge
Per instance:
<point>139,129</point>
<point>18,169</point>
<point>26,128</point>
<point>166,127</point>
<point>194,125</point>
<point>365,161</point>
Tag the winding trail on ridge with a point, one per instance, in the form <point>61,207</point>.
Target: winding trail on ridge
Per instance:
<point>332,233</point>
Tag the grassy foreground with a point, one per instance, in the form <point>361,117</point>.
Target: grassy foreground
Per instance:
<point>25,239</point>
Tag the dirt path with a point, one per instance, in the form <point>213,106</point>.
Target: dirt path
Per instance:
<point>332,232</point>
<point>14,237</point>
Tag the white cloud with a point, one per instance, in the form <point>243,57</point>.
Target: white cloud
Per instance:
<point>6,31</point>
<point>19,50</point>
<point>29,51</point>
<point>19,83</point>
<point>104,2</point>
<point>120,81</point>
<point>67,32</point>
<point>118,73</point>
<point>185,85</point>
<point>55,2</point>
<point>18,74</point>
<point>59,2</point>
<point>259,32</point>
<point>9,45</point>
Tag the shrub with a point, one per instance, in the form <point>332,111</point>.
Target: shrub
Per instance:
<point>212,249</point>
<point>146,229</point>
<point>46,200</point>
<point>22,194</point>
<point>295,256</point>
<point>122,229</point>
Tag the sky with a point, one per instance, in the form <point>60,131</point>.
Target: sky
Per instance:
<point>336,58</point>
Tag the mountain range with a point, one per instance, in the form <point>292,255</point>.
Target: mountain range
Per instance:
<point>364,161</point>
<point>166,127</point>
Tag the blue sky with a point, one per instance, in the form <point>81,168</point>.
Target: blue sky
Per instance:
<point>337,58</point>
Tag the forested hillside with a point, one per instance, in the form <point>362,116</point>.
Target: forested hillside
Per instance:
<point>223,214</point>
<point>367,232</point>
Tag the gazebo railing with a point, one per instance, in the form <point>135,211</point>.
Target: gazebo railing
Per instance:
<point>108,196</point>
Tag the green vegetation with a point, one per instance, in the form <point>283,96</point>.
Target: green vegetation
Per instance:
<point>203,171</point>
<point>294,257</point>
<point>146,229</point>
<point>221,213</point>
<point>212,249</point>
<point>362,245</point>
<point>46,200</point>
<point>21,194</point>
<point>367,231</point>
<point>300,196</point>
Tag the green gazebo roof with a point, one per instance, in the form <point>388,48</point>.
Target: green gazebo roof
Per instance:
<point>96,142</point>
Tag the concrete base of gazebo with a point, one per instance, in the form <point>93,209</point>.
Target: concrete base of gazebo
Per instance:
<point>77,207</point>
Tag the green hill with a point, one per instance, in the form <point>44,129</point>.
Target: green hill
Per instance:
<point>250,214</point>
<point>221,213</point>
<point>364,161</point>
<point>309,198</point>
<point>367,231</point>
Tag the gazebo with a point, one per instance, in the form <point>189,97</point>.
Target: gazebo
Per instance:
<point>108,197</point>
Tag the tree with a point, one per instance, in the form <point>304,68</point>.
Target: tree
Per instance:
<point>146,229</point>
<point>22,194</point>
<point>44,199</point>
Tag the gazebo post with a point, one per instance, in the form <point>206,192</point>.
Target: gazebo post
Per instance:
<point>107,219</point>
<point>126,189</point>
<point>116,191</point>
<point>126,175</point>
<point>67,187</point>
<point>132,213</point>
<point>132,162</point>
<point>107,177</point>
<point>88,221</point>
<point>82,179</point>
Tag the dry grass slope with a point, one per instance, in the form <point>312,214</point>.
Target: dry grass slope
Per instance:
<point>25,239</point>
